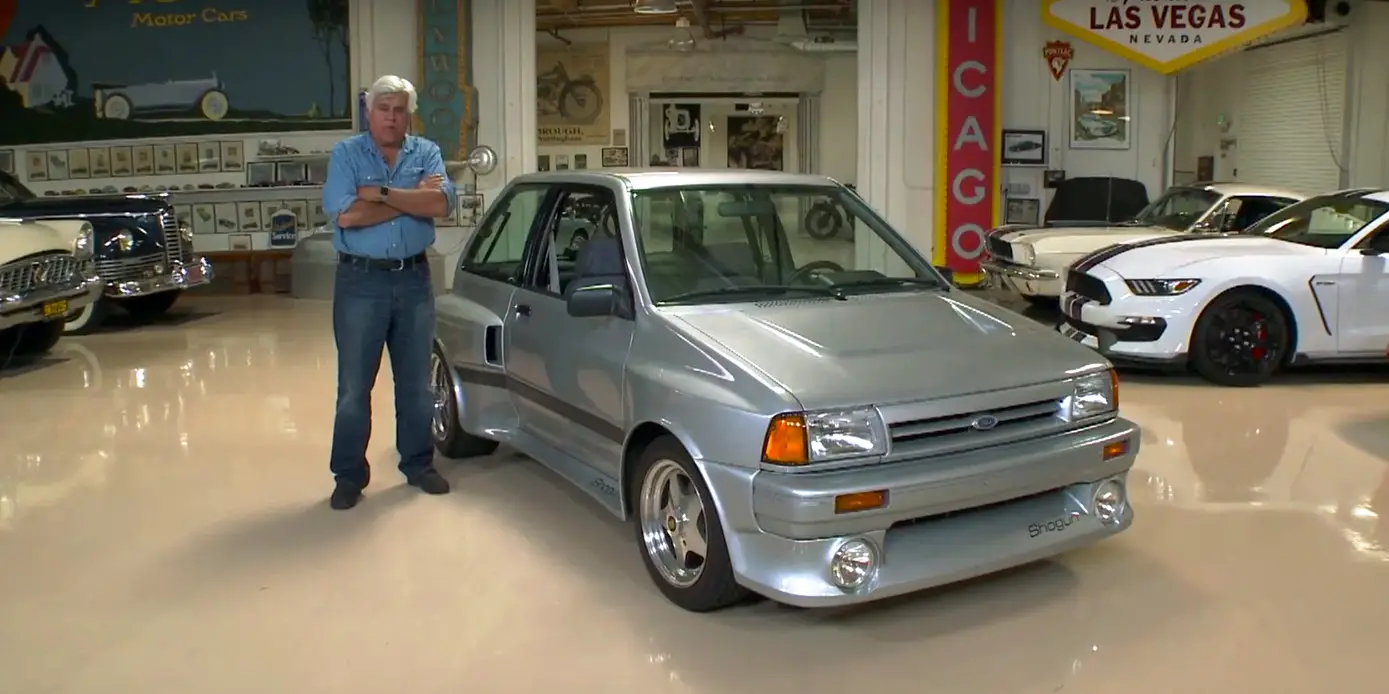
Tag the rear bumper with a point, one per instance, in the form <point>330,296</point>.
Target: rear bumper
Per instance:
<point>180,275</point>
<point>35,307</point>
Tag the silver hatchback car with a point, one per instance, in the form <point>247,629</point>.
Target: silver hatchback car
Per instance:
<point>821,421</point>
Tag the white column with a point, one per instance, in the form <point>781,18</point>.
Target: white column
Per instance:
<point>504,69</point>
<point>1367,132</point>
<point>897,121</point>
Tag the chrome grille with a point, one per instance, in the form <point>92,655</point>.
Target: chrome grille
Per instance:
<point>956,432</point>
<point>126,269</point>
<point>174,247</point>
<point>37,273</point>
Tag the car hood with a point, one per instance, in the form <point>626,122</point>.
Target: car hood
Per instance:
<point>1160,258</point>
<point>59,208</point>
<point>18,240</point>
<point>890,348</point>
<point>1082,238</point>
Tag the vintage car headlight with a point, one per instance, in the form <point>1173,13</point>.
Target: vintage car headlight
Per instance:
<point>1024,253</point>
<point>85,244</point>
<point>1161,287</point>
<point>799,438</point>
<point>123,240</point>
<point>185,232</point>
<point>1095,394</point>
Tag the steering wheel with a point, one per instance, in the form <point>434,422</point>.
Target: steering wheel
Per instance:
<point>804,272</point>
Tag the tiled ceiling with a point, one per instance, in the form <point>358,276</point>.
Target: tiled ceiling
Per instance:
<point>714,17</point>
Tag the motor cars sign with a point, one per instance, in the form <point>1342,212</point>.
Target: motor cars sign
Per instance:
<point>1169,35</point>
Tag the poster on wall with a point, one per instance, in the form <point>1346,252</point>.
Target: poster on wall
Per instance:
<point>447,109</point>
<point>1100,113</point>
<point>571,95</point>
<point>97,70</point>
<point>755,142</point>
<point>680,126</point>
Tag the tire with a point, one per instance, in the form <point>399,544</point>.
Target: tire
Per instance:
<point>1240,340</point>
<point>39,338</point>
<point>449,438</point>
<point>708,586</point>
<point>87,319</point>
<point>591,107</point>
<point>823,222</point>
<point>145,308</point>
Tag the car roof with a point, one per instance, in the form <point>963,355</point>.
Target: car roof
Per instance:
<point>1232,188</point>
<point>657,177</point>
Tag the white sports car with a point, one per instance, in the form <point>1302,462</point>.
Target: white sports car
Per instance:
<point>1309,283</point>
<point>1029,259</point>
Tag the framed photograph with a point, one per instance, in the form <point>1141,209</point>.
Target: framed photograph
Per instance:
<point>561,162</point>
<point>316,172</point>
<point>143,157</point>
<point>226,214</point>
<point>689,156</point>
<point>78,164</point>
<point>239,242</point>
<point>1022,211</point>
<point>581,161</point>
<point>291,173</point>
<point>300,208</point>
<point>542,162</point>
<point>100,160</point>
<point>1101,116</point>
<point>210,157</point>
<point>233,155</point>
<point>120,161</point>
<point>187,157</point>
<point>260,173</point>
<point>58,165</point>
<point>36,168</point>
<point>469,209</point>
<point>204,218</point>
<point>165,160</point>
<point>249,219</point>
<point>1024,148</point>
<point>615,157</point>
<point>184,215</point>
<point>7,161</point>
<point>317,217</point>
<point>1053,178</point>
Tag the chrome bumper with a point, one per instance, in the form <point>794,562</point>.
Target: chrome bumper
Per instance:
<point>1019,271</point>
<point>948,519</point>
<point>180,275</point>
<point>31,307</point>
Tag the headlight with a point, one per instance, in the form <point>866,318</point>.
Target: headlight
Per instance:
<point>1024,253</point>
<point>1161,287</point>
<point>1095,394</point>
<point>85,244</point>
<point>185,232</point>
<point>123,240</point>
<point>798,438</point>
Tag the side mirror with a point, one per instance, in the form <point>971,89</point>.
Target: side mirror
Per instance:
<point>593,302</point>
<point>947,273</point>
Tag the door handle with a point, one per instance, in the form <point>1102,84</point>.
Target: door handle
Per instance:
<point>523,310</point>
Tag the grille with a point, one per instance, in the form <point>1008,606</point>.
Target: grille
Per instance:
<point>957,432</point>
<point>37,273</point>
<point>1088,286</point>
<point>1000,249</point>
<point>174,248</point>
<point>126,269</point>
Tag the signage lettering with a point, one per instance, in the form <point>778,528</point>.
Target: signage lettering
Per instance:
<point>1168,35</point>
<point>161,20</point>
<point>967,147</point>
<point>1058,55</point>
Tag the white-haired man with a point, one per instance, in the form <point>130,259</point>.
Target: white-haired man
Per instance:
<point>384,189</point>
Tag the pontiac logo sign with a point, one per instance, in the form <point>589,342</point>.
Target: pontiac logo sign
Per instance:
<point>1058,55</point>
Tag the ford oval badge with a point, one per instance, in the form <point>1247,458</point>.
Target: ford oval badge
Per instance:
<point>984,422</point>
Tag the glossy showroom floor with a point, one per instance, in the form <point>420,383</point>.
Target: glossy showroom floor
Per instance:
<point>164,530</point>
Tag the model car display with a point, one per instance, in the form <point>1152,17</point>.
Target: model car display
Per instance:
<point>46,272</point>
<point>1029,259</point>
<point>1305,284</point>
<point>775,425</point>
<point>144,256</point>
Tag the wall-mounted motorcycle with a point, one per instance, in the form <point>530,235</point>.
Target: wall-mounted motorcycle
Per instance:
<point>575,100</point>
<point>825,219</point>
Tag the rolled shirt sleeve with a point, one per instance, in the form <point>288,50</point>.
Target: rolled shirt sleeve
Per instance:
<point>340,190</point>
<point>434,165</point>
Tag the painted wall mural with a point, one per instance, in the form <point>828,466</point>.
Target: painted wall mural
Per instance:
<point>76,70</point>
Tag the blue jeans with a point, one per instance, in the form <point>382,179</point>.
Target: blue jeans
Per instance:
<point>372,310</point>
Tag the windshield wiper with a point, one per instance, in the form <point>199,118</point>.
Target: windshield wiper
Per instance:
<point>752,289</point>
<point>877,282</point>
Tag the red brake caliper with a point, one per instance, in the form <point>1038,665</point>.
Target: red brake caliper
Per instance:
<point>1260,337</point>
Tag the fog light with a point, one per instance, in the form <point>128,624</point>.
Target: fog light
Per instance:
<point>853,564</point>
<point>1109,502</point>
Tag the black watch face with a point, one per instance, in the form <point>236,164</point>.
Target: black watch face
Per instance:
<point>385,191</point>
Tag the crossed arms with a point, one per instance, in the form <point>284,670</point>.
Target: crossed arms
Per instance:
<point>355,207</point>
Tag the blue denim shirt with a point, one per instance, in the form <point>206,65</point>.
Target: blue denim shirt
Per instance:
<point>357,162</point>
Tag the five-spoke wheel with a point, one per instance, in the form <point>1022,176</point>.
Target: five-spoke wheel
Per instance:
<point>1241,339</point>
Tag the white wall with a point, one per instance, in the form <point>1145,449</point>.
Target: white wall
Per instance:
<point>1032,99</point>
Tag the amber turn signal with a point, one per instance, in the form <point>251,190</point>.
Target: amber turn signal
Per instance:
<point>1114,387</point>
<point>785,443</point>
<point>860,501</point>
<point>1116,449</point>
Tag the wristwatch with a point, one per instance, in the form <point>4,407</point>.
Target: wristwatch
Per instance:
<point>384,192</point>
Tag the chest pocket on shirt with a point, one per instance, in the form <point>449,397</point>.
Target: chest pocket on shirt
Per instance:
<point>408,176</point>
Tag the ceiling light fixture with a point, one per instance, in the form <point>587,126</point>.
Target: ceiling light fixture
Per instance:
<point>654,7</point>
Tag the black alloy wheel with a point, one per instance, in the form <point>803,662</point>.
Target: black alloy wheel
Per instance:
<point>1241,339</point>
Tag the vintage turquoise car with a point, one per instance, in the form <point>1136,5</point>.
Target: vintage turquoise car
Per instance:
<point>775,417</point>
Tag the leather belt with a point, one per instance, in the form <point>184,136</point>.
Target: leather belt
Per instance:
<point>383,264</point>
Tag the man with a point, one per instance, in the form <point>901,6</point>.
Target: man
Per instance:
<point>384,189</point>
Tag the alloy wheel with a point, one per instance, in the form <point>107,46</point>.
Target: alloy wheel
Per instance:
<point>441,386</point>
<point>673,523</point>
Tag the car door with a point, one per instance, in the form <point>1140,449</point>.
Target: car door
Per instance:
<point>571,370</point>
<point>472,316</point>
<point>1362,322</point>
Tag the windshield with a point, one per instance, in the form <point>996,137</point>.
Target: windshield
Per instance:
<point>1326,221</point>
<point>11,190</point>
<point>1178,208</point>
<point>740,243</point>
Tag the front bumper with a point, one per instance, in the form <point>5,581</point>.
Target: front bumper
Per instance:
<point>180,275</point>
<point>1028,281</point>
<point>947,518</point>
<point>1132,329</point>
<point>51,303</point>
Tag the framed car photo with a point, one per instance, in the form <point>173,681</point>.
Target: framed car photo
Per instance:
<point>1024,148</point>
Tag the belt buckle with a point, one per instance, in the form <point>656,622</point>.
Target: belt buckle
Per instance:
<point>399,264</point>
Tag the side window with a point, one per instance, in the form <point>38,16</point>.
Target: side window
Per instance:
<point>497,249</point>
<point>584,214</point>
<point>1246,210</point>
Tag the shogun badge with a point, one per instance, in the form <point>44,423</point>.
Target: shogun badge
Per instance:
<point>1058,55</point>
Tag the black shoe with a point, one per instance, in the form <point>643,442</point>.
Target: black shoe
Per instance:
<point>345,496</point>
<point>430,482</point>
